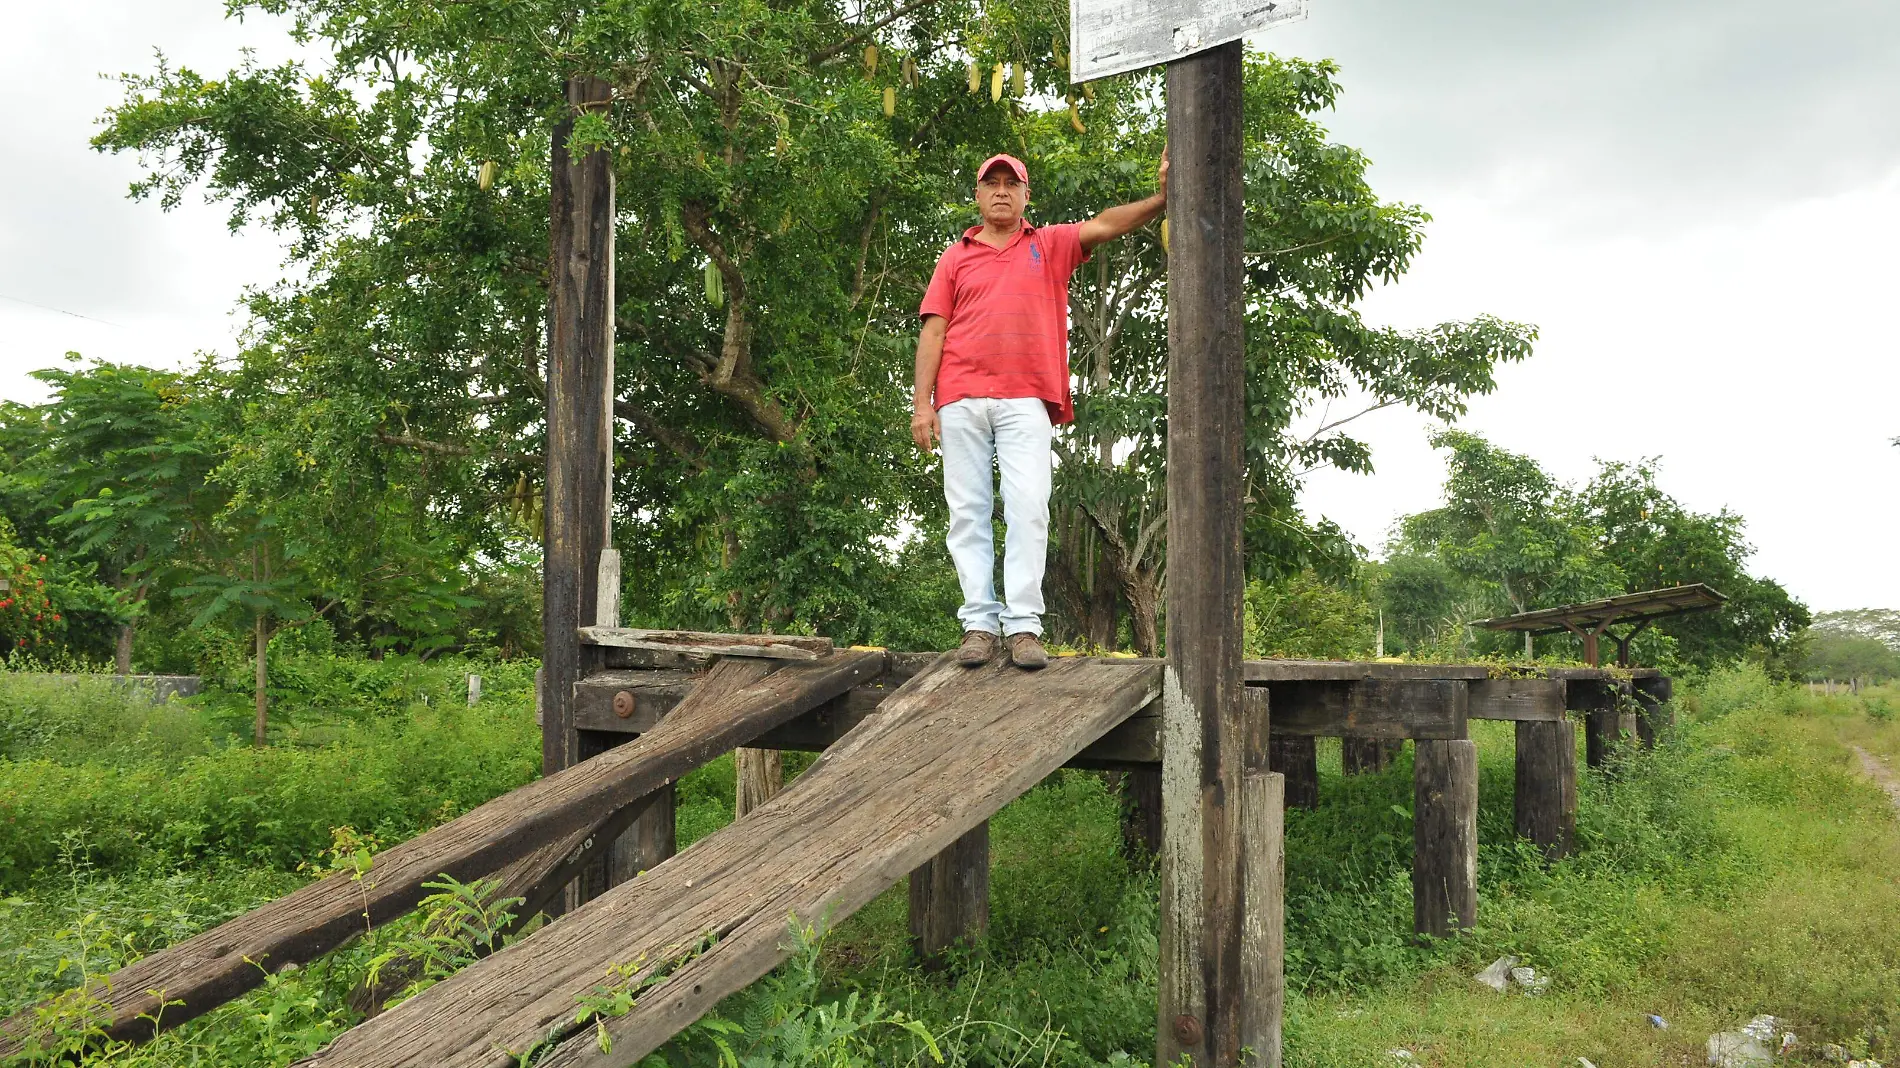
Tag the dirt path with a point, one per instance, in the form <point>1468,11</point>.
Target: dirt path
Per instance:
<point>1877,770</point>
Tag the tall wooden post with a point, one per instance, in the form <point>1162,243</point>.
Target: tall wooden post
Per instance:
<point>1297,758</point>
<point>1545,806</point>
<point>1202,1011</point>
<point>579,448</point>
<point>1653,717</point>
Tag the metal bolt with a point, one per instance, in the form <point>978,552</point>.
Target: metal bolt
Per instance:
<point>623,704</point>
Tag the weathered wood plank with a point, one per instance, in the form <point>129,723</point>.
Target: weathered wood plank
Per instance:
<point>942,756</point>
<point>1263,887</point>
<point>1521,700</point>
<point>1259,671</point>
<point>1444,835</point>
<point>1372,708</point>
<point>210,968</point>
<point>650,695</point>
<point>770,646</point>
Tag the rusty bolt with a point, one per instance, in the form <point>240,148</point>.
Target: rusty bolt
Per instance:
<point>623,704</point>
<point>1187,1031</point>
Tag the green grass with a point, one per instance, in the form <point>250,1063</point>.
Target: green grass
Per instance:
<point>1743,867</point>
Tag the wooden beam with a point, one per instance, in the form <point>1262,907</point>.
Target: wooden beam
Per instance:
<point>580,389</point>
<point>1444,835</point>
<point>771,646</point>
<point>1297,758</point>
<point>1203,890</point>
<point>210,968</point>
<point>1259,671</point>
<point>1372,708</point>
<point>1520,700</point>
<point>1545,803</point>
<point>943,756</point>
<point>1263,869</point>
<point>950,898</point>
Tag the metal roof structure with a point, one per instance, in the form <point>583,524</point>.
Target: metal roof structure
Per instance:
<point>1589,620</point>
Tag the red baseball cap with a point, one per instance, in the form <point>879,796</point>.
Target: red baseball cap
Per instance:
<point>1014,164</point>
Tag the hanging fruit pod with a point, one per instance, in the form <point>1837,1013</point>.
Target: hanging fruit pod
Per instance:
<point>1075,119</point>
<point>870,60</point>
<point>1055,48</point>
<point>1016,79</point>
<point>996,84</point>
<point>1088,91</point>
<point>486,176</point>
<point>715,286</point>
<point>785,221</point>
<point>1164,235</point>
<point>784,144</point>
<point>890,101</point>
<point>910,73</point>
<point>976,77</point>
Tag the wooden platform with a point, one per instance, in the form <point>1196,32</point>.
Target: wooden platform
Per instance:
<point>942,754</point>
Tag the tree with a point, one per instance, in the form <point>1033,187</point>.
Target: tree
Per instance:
<point>1657,542</point>
<point>1521,538</point>
<point>1318,239</point>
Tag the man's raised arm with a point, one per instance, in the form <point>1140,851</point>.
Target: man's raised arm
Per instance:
<point>1125,218</point>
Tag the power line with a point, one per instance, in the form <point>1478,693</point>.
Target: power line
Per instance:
<point>61,311</point>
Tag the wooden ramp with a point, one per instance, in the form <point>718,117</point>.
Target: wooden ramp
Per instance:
<point>529,836</point>
<point>941,755</point>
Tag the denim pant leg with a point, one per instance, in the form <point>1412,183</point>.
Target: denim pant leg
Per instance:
<point>969,453</point>
<point>1023,438</point>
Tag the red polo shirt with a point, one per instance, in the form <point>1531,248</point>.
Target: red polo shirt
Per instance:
<point>1008,316</point>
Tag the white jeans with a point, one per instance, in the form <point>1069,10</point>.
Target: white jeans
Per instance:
<point>981,434</point>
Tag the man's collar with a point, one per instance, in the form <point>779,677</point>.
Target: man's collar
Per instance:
<point>1023,230</point>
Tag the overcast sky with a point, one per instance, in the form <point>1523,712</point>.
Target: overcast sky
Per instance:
<point>1694,201</point>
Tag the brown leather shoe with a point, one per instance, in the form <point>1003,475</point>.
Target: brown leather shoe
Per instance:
<point>977,648</point>
<point>1026,651</point>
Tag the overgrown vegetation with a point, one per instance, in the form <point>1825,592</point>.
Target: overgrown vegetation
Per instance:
<point>1742,867</point>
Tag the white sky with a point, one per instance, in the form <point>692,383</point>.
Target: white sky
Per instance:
<point>1694,200</point>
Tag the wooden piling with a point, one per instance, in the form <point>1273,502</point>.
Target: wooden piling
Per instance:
<point>1546,799</point>
<point>1263,873</point>
<point>1444,835</point>
<point>950,898</point>
<point>1139,790</point>
<point>1203,889</point>
<point>580,389</point>
<point>1654,714</point>
<point>1364,756</point>
<point>1298,759</point>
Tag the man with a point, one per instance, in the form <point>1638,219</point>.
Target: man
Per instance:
<point>993,383</point>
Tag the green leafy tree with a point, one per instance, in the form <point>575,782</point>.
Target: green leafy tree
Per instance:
<point>1518,535</point>
<point>1658,542</point>
<point>1317,239</point>
<point>1305,617</point>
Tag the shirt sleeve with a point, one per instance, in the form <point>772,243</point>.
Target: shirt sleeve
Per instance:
<point>940,297</point>
<point>1064,242</point>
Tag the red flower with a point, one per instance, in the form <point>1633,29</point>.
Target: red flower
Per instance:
<point>55,617</point>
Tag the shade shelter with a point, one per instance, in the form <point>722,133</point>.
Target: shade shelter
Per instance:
<point>1591,620</point>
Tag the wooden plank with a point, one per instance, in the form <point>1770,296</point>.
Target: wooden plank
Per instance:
<point>1373,708</point>
<point>950,898</point>
<point>650,695</point>
<point>770,646</point>
<point>1259,671</point>
<point>210,968</point>
<point>1520,700</point>
<point>1444,835</point>
<point>944,754</point>
<point>1545,803</point>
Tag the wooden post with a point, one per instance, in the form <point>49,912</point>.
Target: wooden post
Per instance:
<point>1363,756</point>
<point>1654,715</point>
<point>758,776</point>
<point>1596,701</point>
<point>1298,759</point>
<point>1203,890</point>
<point>1140,793</point>
<point>1546,801</point>
<point>1263,871</point>
<point>1444,835</point>
<point>950,897</point>
<point>580,387</point>
<point>653,835</point>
